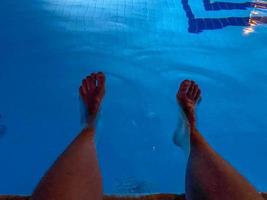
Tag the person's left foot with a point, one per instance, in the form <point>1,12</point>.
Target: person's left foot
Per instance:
<point>92,92</point>
<point>188,96</point>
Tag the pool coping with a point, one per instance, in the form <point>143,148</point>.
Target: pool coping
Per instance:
<point>110,197</point>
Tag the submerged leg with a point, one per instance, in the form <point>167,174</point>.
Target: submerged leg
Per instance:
<point>208,176</point>
<point>76,175</point>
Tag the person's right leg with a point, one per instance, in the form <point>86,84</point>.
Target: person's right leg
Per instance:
<point>208,176</point>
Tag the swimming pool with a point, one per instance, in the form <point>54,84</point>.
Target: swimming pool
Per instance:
<point>146,48</point>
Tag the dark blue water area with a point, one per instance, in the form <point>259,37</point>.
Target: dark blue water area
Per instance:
<point>145,49</point>
<point>3,128</point>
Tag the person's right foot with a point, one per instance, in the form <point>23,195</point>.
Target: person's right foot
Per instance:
<point>188,96</point>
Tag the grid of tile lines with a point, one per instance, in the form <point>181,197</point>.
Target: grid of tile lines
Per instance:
<point>197,25</point>
<point>231,6</point>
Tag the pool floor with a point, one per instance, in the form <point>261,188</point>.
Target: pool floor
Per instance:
<point>146,48</point>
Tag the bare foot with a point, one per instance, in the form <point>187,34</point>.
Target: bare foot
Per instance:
<point>188,96</point>
<point>92,92</point>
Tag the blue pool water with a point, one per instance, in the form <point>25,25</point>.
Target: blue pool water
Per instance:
<point>146,48</point>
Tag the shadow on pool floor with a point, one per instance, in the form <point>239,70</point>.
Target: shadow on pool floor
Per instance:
<point>146,197</point>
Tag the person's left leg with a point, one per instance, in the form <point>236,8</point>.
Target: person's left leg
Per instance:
<point>208,175</point>
<point>76,175</point>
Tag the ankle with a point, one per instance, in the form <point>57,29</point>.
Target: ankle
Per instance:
<point>191,121</point>
<point>91,121</point>
<point>192,129</point>
<point>89,132</point>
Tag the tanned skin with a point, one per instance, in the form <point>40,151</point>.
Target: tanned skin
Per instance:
<point>208,175</point>
<point>76,174</point>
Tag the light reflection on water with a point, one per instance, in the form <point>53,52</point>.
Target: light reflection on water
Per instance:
<point>258,10</point>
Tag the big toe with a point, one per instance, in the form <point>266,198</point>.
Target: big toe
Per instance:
<point>184,87</point>
<point>100,78</point>
<point>193,92</point>
<point>91,82</point>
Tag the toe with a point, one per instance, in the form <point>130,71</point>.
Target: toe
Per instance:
<point>87,80</point>
<point>85,86</point>
<point>91,81</point>
<point>198,96</point>
<point>101,78</point>
<point>191,89</point>
<point>83,93</point>
<point>183,87</point>
<point>82,90</point>
<point>195,91</point>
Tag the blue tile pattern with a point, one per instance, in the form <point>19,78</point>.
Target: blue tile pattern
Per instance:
<point>197,25</point>
<point>231,6</point>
